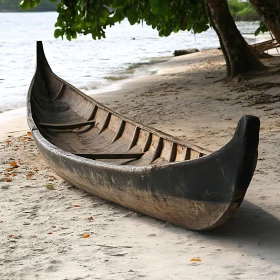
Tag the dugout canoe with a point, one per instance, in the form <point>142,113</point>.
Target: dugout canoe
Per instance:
<point>123,161</point>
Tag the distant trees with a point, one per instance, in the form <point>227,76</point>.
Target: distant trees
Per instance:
<point>242,10</point>
<point>9,4</point>
<point>269,11</point>
<point>13,5</point>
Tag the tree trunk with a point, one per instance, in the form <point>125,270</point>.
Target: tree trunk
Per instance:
<point>220,39</point>
<point>240,56</point>
<point>269,12</point>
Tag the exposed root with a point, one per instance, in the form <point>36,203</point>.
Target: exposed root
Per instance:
<point>268,71</point>
<point>268,75</point>
<point>262,98</point>
<point>225,80</point>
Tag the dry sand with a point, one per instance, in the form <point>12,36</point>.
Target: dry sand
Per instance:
<point>43,219</point>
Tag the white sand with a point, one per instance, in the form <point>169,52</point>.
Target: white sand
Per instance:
<point>41,228</point>
<point>14,126</point>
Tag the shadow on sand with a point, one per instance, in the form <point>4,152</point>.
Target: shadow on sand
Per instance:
<point>251,228</point>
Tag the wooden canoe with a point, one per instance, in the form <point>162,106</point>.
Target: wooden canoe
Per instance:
<point>120,160</point>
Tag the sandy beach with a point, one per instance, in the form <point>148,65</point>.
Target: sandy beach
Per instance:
<point>52,230</point>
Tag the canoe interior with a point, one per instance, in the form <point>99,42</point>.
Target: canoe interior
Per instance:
<point>77,124</point>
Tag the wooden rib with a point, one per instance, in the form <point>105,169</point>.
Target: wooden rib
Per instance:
<point>187,153</point>
<point>106,122</point>
<point>148,142</point>
<point>81,130</point>
<point>112,156</point>
<point>158,149</point>
<point>66,125</point>
<point>60,92</point>
<point>92,115</point>
<point>37,102</point>
<point>41,88</point>
<point>119,132</point>
<point>173,152</point>
<point>134,138</point>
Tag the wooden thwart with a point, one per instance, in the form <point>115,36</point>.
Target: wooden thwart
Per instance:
<point>66,126</point>
<point>112,156</point>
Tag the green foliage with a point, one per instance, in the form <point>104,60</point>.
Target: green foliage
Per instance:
<point>263,28</point>
<point>29,4</point>
<point>245,11</point>
<point>242,10</point>
<point>93,16</point>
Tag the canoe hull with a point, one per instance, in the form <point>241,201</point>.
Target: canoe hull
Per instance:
<point>187,213</point>
<point>186,194</point>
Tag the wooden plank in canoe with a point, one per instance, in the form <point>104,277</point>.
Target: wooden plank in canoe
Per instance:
<point>67,126</point>
<point>112,156</point>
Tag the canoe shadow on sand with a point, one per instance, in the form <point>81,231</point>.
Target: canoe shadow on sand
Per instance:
<point>251,229</point>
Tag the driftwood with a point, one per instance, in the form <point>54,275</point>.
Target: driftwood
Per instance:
<point>261,47</point>
<point>183,52</point>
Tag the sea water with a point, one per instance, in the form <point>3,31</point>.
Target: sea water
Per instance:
<point>92,66</point>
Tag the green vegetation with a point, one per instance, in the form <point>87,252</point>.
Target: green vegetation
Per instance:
<point>242,10</point>
<point>13,6</point>
<point>245,11</point>
<point>166,16</point>
<point>92,17</point>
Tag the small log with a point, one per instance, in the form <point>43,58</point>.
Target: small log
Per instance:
<point>183,52</point>
<point>260,48</point>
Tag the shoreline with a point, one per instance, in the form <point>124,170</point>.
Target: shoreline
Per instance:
<point>13,122</point>
<point>115,81</point>
<point>43,219</point>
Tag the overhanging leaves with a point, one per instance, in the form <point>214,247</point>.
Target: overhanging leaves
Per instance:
<point>93,16</point>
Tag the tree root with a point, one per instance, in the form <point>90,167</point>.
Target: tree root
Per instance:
<point>262,73</point>
<point>269,75</point>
